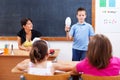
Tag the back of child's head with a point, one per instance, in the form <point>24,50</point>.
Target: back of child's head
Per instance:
<point>39,51</point>
<point>99,51</point>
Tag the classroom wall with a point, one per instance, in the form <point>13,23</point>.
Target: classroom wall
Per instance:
<point>66,46</point>
<point>107,21</point>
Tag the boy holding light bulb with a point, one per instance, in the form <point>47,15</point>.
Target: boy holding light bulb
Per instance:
<point>81,33</point>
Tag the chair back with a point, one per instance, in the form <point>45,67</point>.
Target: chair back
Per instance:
<point>91,77</point>
<point>63,76</point>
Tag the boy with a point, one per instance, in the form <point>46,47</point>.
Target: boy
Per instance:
<point>81,32</point>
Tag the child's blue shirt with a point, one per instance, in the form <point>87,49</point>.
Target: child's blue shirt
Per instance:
<point>81,34</point>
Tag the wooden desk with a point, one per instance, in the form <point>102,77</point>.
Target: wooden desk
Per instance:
<point>7,62</point>
<point>23,53</point>
<point>73,63</point>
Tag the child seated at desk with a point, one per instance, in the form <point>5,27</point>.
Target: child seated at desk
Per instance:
<point>38,64</point>
<point>99,60</point>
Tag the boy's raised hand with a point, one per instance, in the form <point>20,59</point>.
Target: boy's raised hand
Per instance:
<point>67,28</point>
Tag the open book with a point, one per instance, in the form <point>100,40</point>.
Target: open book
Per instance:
<point>1,51</point>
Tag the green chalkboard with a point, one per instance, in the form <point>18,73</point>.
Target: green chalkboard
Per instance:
<point>48,15</point>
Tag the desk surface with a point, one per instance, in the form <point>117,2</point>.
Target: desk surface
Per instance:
<point>72,63</point>
<point>18,52</point>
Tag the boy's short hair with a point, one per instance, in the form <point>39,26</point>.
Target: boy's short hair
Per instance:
<point>81,9</point>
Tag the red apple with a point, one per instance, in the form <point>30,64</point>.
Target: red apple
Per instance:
<point>52,51</point>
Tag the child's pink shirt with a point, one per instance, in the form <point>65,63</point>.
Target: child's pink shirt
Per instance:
<point>111,70</point>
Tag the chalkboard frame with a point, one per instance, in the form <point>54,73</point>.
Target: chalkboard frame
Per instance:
<point>10,38</point>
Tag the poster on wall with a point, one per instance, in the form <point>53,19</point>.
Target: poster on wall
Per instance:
<point>107,16</point>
